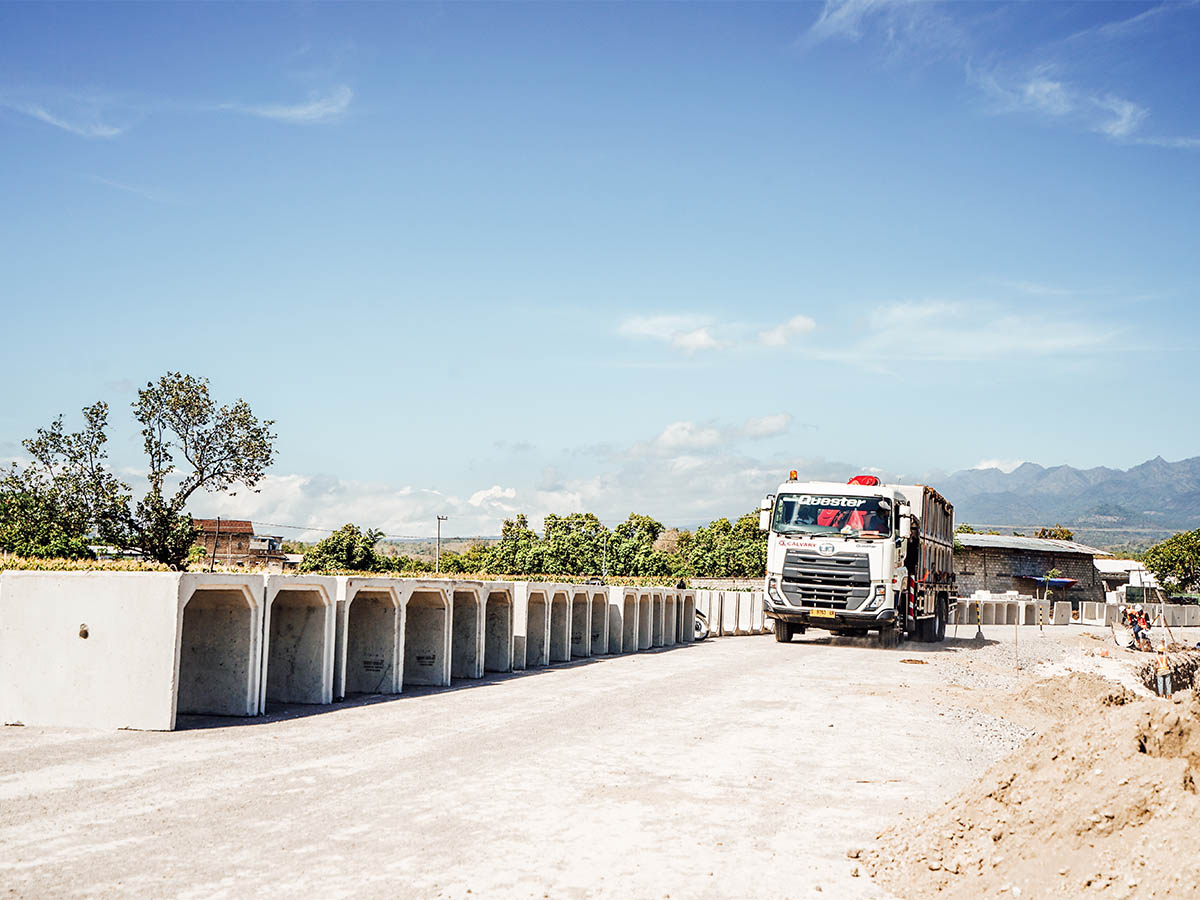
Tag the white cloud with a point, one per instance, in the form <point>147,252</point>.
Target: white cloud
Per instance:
<point>767,426</point>
<point>841,19</point>
<point>975,330</point>
<point>686,332</point>
<point>1004,465</point>
<point>687,435</point>
<point>92,129</point>
<point>494,494</point>
<point>699,339</point>
<point>781,334</point>
<point>1126,116</point>
<point>1048,96</point>
<point>316,109</point>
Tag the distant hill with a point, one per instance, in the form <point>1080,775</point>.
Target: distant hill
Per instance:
<point>1103,506</point>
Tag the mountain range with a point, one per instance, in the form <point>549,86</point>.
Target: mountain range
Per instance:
<point>1149,501</point>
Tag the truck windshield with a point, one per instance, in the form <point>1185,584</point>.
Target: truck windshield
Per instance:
<point>819,514</point>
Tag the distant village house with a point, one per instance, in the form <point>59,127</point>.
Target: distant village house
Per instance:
<point>1000,563</point>
<point>233,543</point>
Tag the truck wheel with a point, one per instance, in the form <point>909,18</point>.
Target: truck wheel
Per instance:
<point>889,637</point>
<point>943,613</point>
<point>783,632</point>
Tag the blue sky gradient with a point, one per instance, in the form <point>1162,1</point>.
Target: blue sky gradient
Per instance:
<point>549,257</point>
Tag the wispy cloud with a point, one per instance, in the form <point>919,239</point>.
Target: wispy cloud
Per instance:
<point>1004,465</point>
<point>767,426</point>
<point>1035,289</point>
<point>144,193</point>
<point>80,126</point>
<point>1040,92</point>
<point>686,332</point>
<point>782,334</point>
<point>317,109</point>
<point>694,332</point>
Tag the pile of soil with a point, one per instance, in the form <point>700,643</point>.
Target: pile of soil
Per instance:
<point>1106,802</point>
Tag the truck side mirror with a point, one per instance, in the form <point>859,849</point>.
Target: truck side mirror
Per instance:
<point>905,528</point>
<point>764,512</point>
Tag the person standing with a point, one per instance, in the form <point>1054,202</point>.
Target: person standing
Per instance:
<point>1163,669</point>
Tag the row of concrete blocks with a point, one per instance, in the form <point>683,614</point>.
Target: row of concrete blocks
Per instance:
<point>1013,612</point>
<point>135,649</point>
<point>1177,615</point>
<point>733,612</point>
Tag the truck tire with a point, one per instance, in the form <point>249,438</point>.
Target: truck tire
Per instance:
<point>783,632</point>
<point>926,628</point>
<point>943,614</point>
<point>889,637</point>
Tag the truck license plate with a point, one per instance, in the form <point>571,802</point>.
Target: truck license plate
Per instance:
<point>821,613</point>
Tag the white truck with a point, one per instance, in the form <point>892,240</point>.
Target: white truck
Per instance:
<point>859,557</point>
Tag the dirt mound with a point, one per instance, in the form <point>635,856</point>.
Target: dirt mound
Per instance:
<point>1107,801</point>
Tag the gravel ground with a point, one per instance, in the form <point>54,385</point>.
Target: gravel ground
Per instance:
<point>738,767</point>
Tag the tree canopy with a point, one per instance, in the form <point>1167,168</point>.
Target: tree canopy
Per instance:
<point>68,493</point>
<point>1175,562</point>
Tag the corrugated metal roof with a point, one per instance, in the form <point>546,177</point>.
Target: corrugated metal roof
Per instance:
<point>228,526</point>
<point>1118,566</point>
<point>1042,545</point>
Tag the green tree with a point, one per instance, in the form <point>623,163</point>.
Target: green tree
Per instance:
<point>964,528</point>
<point>50,506</point>
<point>348,549</point>
<point>1175,562</point>
<point>70,489</point>
<point>631,548</point>
<point>574,544</point>
<point>1057,533</point>
<point>519,551</point>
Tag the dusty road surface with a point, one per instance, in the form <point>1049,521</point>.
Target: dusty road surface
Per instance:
<point>737,767</point>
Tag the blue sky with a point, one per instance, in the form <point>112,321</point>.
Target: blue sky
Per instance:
<point>477,259</point>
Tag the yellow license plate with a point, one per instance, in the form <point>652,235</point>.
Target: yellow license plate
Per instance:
<point>821,613</point>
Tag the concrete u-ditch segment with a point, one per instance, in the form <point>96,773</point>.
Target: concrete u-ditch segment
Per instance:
<point>135,650</point>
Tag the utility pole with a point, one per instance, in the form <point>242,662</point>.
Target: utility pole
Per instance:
<point>437,559</point>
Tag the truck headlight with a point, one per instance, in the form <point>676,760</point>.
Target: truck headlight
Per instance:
<point>880,596</point>
<point>773,594</point>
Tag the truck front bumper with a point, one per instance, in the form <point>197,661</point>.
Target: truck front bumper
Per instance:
<point>839,620</point>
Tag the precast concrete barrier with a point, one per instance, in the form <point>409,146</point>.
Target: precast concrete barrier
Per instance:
<point>581,623</point>
<point>427,635</point>
<point>622,619</point>
<point>300,628</point>
<point>128,649</point>
<point>1091,613</point>
<point>560,623</point>
<point>466,629</point>
<point>687,621</point>
<point>987,610</point>
<point>670,619</point>
<point>745,616</point>
<point>1193,616</point>
<point>499,621</point>
<point>729,611</point>
<point>1175,615</point>
<point>598,602</point>
<point>1062,612</point>
<point>369,638</point>
<point>520,595</point>
<point>537,648</point>
<point>645,620</point>
<point>757,619</point>
<point>656,618</point>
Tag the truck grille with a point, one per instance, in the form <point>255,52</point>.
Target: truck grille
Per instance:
<point>830,582</point>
